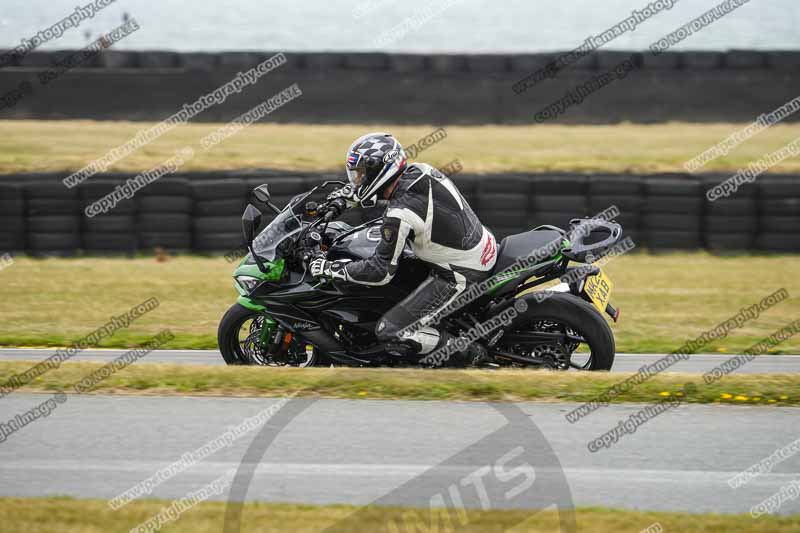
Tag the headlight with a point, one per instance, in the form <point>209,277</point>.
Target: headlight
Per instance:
<point>248,283</point>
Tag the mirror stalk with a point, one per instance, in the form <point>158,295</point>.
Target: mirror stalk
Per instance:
<point>257,259</point>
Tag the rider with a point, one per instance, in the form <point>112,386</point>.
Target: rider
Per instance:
<point>425,209</point>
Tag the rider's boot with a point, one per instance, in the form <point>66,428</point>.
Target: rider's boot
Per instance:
<point>449,352</point>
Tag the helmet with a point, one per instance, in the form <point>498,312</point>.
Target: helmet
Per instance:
<point>373,161</point>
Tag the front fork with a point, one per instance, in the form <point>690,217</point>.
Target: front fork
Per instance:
<point>266,333</point>
<point>269,325</point>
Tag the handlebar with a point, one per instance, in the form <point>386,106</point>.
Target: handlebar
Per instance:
<point>326,212</point>
<point>335,207</point>
<point>313,242</point>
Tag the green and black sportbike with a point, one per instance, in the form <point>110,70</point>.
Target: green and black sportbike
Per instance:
<point>284,317</point>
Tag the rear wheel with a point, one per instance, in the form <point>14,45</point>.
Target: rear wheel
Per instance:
<point>247,337</point>
<point>552,330</point>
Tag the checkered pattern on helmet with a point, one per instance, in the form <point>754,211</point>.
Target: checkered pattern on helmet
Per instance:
<point>374,146</point>
<point>377,147</point>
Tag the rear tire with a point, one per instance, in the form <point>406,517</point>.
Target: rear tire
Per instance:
<point>578,315</point>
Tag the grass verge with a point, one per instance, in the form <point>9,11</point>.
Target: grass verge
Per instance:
<point>665,299</point>
<point>37,146</point>
<point>68,515</point>
<point>410,384</point>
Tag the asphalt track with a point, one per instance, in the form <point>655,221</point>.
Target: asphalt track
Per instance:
<point>345,451</point>
<point>696,364</point>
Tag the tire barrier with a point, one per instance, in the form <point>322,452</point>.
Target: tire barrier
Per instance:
<point>164,215</point>
<point>502,204</point>
<point>201,212</point>
<point>218,207</point>
<point>556,200</point>
<point>53,219</point>
<point>779,214</point>
<point>731,222</point>
<point>607,190</point>
<point>424,88</point>
<point>114,232</point>
<point>12,217</point>
<point>672,214</point>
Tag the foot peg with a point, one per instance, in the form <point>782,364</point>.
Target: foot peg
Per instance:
<point>477,354</point>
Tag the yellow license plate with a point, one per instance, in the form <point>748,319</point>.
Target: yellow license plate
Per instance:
<point>598,289</point>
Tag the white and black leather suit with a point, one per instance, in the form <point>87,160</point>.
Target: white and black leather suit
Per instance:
<point>427,211</point>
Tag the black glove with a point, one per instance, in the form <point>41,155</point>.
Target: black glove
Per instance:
<point>336,207</point>
<point>347,192</point>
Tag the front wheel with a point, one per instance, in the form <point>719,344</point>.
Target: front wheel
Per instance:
<point>550,331</point>
<point>247,337</point>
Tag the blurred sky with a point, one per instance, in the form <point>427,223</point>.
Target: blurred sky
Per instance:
<point>353,25</point>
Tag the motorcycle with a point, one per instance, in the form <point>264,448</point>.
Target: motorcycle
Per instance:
<point>284,317</point>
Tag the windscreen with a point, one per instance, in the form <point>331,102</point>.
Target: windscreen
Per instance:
<point>286,225</point>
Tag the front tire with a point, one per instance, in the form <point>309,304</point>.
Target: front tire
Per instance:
<point>243,341</point>
<point>228,333</point>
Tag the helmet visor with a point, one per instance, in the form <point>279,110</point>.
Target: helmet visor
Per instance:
<point>356,169</point>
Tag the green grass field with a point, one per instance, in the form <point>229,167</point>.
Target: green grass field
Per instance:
<point>665,299</point>
<point>36,146</point>
<point>67,515</point>
<point>411,384</point>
